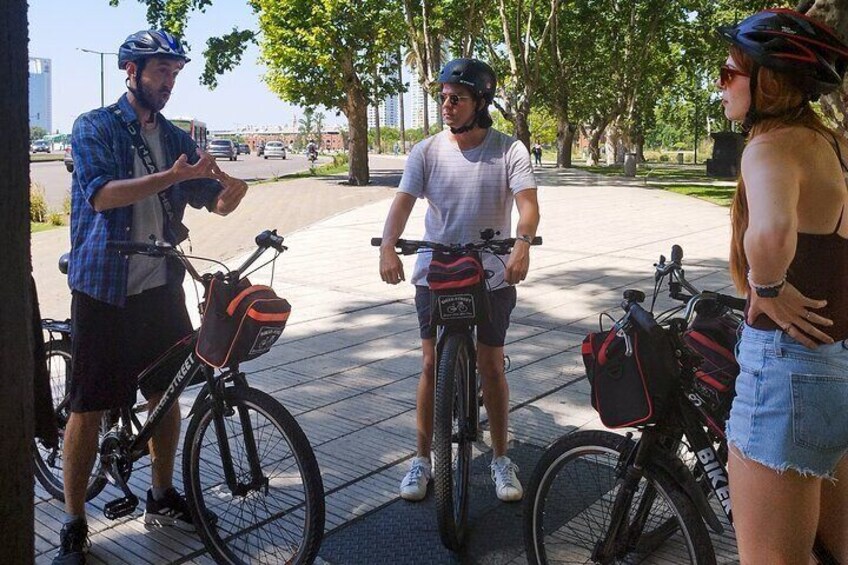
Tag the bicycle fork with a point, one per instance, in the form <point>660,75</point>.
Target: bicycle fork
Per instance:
<point>257,480</point>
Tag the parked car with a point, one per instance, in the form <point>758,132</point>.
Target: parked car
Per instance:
<point>69,159</point>
<point>223,148</point>
<point>275,149</point>
<point>40,146</point>
<point>244,149</point>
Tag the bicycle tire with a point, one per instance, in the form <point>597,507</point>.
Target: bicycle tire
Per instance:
<point>571,494</point>
<point>240,534</point>
<point>48,462</point>
<point>450,416</point>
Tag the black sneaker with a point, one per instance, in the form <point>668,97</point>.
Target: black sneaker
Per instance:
<point>73,543</point>
<point>171,511</point>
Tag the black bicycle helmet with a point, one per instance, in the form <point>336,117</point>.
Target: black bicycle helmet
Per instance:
<point>473,73</point>
<point>790,42</point>
<point>150,43</point>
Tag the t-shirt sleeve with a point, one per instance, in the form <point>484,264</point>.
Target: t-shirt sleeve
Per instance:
<point>412,181</point>
<point>519,170</point>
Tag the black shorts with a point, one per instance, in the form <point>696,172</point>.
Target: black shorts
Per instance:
<point>112,345</point>
<point>491,333</point>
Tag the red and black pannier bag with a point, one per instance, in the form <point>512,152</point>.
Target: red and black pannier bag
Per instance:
<point>714,339</point>
<point>630,390</point>
<point>458,289</point>
<point>240,322</point>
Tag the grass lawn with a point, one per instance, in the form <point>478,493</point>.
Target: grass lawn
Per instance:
<point>691,180</point>
<point>721,195</point>
<point>47,156</point>
<point>35,227</point>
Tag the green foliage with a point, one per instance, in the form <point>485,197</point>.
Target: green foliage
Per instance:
<point>224,54</point>
<point>317,51</point>
<point>66,203</point>
<point>36,132</point>
<point>38,209</point>
<point>56,219</point>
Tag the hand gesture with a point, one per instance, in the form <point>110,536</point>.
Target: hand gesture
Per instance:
<point>793,312</point>
<point>234,191</point>
<point>204,168</point>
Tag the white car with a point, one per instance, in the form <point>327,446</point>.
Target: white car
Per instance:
<point>275,149</point>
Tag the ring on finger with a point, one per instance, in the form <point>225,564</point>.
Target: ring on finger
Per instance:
<point>807,315</point>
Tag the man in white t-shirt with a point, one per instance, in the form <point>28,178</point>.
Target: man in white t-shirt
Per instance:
<point>470,175</point>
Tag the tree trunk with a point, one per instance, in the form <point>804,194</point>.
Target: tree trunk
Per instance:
<point>357,119</point>
<point>378,143</point>
<point>16,346</point>
<point>522,124</point>
<point>566,132</point>
<point>426,106</point>
<point>400,104</point>
<point>834,14</point>
<point>568,145</point>
<point>595,146</point>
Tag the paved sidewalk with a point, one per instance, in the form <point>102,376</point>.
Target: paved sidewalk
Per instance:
<point>348,363</point>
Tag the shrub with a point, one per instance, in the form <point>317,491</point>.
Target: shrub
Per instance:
<point>56,219</point>
<point>340,159</point>
<point>37,203</point>
<point>663,158</point>
<point>66,203</point>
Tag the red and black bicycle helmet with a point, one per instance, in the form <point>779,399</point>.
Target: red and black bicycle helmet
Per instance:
<point>790,42</point>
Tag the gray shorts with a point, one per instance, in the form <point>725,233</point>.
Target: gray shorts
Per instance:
<point>491,333</point>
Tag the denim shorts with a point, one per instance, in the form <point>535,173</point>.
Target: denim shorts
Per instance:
<point>791,405</point>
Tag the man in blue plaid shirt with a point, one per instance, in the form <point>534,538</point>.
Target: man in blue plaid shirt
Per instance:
<point>126,312</point>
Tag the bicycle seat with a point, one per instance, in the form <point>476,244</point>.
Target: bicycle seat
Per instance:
<point>64,261</point>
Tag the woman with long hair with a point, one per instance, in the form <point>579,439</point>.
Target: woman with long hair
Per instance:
<point>788,428</point>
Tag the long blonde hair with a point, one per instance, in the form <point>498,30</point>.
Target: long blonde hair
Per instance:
<point>778,96</point>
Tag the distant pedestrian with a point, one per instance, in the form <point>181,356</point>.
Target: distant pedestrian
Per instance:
<point>537,153</point>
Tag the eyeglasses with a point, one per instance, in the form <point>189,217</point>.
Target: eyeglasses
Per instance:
<point>726,74</point>
<point>454,98</point>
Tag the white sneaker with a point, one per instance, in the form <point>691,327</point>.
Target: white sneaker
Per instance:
<point>507,485</point>
<point>414,484</point>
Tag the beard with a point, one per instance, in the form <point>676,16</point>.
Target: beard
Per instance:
<point>154,100</point>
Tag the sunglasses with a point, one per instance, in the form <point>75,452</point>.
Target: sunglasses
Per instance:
<point>726,74</point>
<point>454,98</point>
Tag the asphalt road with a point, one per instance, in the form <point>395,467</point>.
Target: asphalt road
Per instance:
<point>56,180</point>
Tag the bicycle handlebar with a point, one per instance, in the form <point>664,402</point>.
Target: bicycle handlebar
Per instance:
<point>266,239</point>
<point>410,246</point>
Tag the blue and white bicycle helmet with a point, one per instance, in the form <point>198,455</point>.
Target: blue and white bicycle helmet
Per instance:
<point>150,43</point>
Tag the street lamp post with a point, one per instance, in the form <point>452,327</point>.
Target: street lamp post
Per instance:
<point>101,53</point>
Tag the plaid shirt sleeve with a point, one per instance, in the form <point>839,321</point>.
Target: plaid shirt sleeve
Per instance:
<point>94,161</point>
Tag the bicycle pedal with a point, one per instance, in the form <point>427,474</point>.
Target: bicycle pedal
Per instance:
<point>120,507</point>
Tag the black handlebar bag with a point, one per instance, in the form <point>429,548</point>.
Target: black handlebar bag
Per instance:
<point>630,390</point>
<point>457,289</point>
<point>240,322</point>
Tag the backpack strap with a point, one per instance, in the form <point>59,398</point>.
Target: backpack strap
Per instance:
<point>133,128</point>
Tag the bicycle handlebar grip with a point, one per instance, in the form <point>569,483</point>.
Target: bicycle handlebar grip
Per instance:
<point>130,247</point>
<point>642,317</point>
<point>269,238</point>
<point>676,253</point>
<point>731,302</point>
<point>537,240</point>
<point>376,241</point>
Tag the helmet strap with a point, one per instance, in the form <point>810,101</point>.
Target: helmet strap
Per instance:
<point>469,125</point>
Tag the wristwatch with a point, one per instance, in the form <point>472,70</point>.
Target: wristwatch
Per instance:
<point>769,291</point>
<point>528,239</point>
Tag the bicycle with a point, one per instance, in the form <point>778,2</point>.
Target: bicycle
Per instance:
<point>456,414</point>
<point>251,479</point>
<point>603,497</point>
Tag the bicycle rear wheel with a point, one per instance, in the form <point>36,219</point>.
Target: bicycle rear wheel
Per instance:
<point>452,427</point>
<point>273,510</point>
<point>49,465</point>
<point>570,500</point>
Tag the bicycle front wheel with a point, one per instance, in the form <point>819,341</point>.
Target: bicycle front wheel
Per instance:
<point>452,429</point>
<point>252,482</point>
<point>49,463</point>
<point>569,508</point>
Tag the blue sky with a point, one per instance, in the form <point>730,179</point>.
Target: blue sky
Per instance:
<point>58,28</point>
